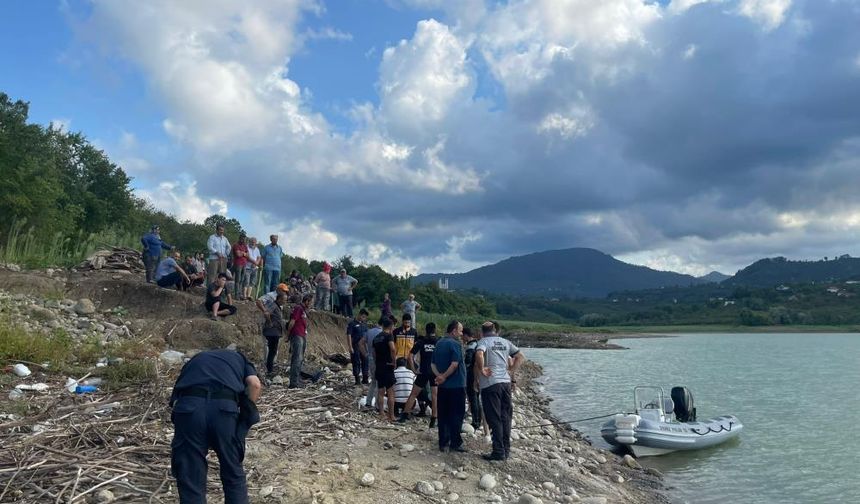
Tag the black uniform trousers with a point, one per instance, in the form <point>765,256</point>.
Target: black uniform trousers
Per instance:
<point>450,412</point>
<point>201,424</point>
<point>499,411</point>
<point>360,364</point>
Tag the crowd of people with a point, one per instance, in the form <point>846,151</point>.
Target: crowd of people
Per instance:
<point>248,269</point>
<point>406,374</point>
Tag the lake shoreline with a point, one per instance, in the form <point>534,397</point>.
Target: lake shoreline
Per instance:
<point>574,341</point>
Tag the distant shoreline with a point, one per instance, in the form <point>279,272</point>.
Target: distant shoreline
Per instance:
<point>605,340</point>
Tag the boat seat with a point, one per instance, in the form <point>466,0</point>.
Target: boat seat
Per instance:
<point>668,405</point>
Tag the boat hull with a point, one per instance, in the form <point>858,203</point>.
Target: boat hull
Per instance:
<point>649,438</point>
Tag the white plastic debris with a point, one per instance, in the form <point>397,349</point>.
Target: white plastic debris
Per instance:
<point>15,394</point>
<point>37,387</point>
<point>172,357</point>
<point>71,384</point>
<point>21,370</point>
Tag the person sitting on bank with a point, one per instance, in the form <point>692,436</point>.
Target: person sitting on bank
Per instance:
<point>404,379</point>
<point>197,276</point>
<point>218,299</point>
<point>170,274</point>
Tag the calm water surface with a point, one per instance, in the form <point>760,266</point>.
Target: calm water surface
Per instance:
<point>798,396</point>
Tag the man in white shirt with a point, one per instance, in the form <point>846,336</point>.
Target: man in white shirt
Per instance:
<point>404,380</point>
<point>252,268</point>
<point>219,249</point>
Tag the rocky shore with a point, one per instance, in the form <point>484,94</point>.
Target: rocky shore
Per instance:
<point>313,445</point>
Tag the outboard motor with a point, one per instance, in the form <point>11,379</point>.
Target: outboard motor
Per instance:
<point>684,408</point>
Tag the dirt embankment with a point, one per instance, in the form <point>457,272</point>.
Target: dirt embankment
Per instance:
<point>181,320</point>
<point>313,446</point>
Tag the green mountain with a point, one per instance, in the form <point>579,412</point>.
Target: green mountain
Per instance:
<point>575,272</point>
<point>774,271</point>
<point>714,277</point>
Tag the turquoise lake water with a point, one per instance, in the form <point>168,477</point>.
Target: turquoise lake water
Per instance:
<point>798,396</point>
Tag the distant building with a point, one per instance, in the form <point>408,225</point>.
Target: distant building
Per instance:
<point>783,288</point>
<point>833,290</point>
<point>443,283</point>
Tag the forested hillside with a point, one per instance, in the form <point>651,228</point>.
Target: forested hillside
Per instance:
<point>774,271</point>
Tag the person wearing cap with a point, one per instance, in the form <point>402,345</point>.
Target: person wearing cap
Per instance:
<point>219,248</point>
<point>497,379</point>
<point>266,302</point>
<point>322,280</point>
<point>344,284</point>
<point>152,246</point>
<point>240,260</point>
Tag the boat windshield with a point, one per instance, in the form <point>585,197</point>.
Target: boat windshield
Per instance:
<point>648,398</point>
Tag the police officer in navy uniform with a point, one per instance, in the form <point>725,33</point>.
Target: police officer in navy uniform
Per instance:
<point>213,407</point>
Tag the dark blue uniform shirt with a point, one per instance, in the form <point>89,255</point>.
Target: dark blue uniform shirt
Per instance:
<point>216,367</point>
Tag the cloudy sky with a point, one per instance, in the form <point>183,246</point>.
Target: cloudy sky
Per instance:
<point>439,135</point>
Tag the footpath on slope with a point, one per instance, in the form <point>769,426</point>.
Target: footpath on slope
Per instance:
<point>312,446</point>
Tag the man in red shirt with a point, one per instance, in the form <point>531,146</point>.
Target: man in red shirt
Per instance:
<point>298,331</point>
<point>240,259</point>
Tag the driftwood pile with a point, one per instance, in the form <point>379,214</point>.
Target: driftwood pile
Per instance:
<point>102,448</point>
<point>115,447</point>
<point>114,258</point>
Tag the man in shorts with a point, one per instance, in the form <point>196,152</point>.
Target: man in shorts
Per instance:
<point>384,357</point>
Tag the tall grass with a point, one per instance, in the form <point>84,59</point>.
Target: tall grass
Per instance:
<point>18,344</point>
<point>24,246</point>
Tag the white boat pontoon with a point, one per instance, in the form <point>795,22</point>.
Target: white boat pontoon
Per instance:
<point>663,425</point>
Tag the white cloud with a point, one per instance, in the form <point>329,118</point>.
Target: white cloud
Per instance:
<point>220,66</point>
<point>422,79</point>
<point>61,124</point>
<point>638,160</point>
<point>522,40</point>
<point>575,123</point>
<point>183,201</point>
<point>680,6</point>
<point>328,33</point>
<point>690,52</point>
<point>770,13</point>
<point>302,237</point>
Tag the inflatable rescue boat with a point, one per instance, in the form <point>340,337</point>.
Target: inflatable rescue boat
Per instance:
<point>664,425</point>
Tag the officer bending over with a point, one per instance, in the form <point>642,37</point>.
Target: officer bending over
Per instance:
<point>213,409</point>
